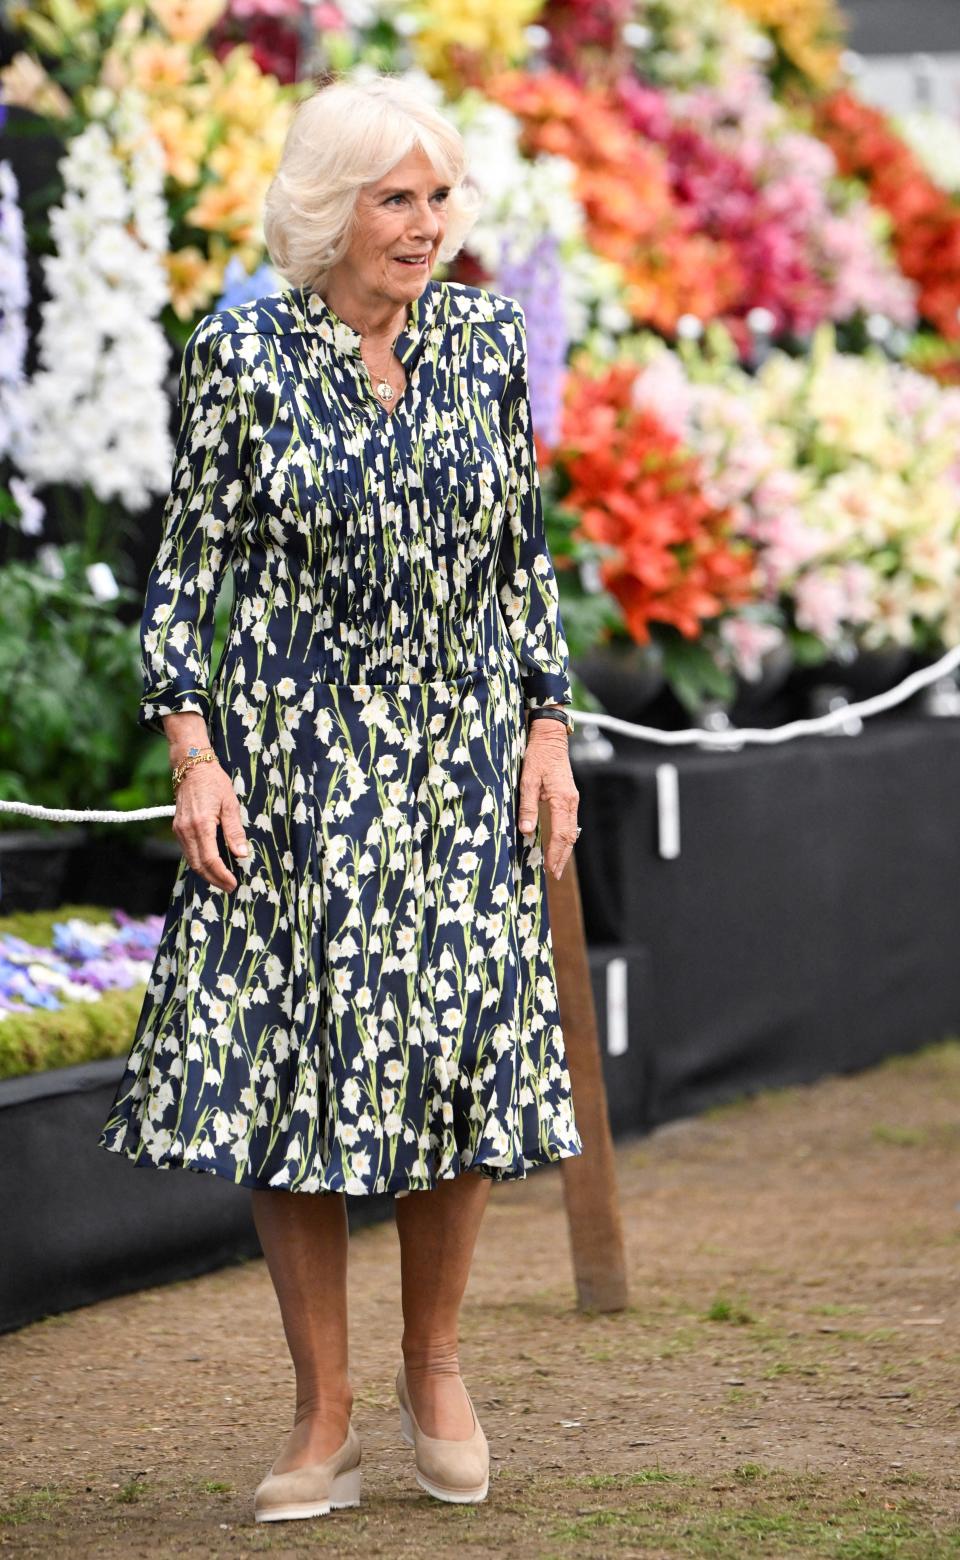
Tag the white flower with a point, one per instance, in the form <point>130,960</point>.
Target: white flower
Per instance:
<point>95,413</point>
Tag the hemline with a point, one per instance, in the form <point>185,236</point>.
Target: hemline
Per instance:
<point>222,1171</point>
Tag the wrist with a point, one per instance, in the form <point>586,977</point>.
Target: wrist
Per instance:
<point>559,715</point>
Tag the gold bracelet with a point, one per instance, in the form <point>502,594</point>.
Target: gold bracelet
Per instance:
<point>194,756</point>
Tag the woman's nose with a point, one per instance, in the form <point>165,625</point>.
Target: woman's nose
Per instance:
<point>426,223</point>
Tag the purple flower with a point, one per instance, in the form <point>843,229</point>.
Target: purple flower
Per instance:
<point>536,283</point>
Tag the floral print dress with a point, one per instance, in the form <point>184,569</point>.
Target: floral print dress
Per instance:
<point>374,1007</point>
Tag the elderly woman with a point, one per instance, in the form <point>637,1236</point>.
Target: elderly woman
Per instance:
<point>354,991</point>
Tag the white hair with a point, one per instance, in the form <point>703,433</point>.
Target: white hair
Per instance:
<point>350,132</point>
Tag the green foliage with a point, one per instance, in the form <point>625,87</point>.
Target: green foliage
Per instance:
<point>807,649</point>
<point>69,685</point>
<point>692,671</point>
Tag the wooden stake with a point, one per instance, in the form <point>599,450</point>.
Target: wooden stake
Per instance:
<point>589,1179</point>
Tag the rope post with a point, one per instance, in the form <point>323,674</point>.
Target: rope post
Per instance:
<point>589,1179</point>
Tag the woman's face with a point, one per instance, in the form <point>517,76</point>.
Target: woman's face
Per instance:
<point>404,213</point>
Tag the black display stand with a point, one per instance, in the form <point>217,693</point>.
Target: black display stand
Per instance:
<point>811,923</point>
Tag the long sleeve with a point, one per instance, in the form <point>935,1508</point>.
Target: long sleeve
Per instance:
<point>199,530</point>
<point>526,582</point>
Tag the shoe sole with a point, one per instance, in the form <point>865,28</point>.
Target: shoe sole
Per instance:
<point>440,1491</point>
<point>345,1491</point>
<point>459,1497</point>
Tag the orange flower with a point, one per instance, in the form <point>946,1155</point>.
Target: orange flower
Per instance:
<point>623,184</point>
<point>635,489</point>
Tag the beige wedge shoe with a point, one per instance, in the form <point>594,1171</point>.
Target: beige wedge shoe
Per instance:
<point>313,1490</point>
<point>450,1470</point>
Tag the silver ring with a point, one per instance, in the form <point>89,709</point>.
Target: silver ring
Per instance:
<point>579,832</point>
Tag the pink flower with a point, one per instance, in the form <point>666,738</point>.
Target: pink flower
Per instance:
<point>663,388</point>
<point>748,642</point>
<point>820,605</point>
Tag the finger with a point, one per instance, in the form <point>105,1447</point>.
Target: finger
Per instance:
<point>231,821</point>
<point>210,864</point>
<point>529,801</point>
<point>557,868</point>
<point>563,829</point>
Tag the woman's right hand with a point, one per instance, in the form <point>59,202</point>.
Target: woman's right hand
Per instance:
<point>205,797</point>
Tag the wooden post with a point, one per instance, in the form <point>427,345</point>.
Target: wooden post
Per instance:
<point>589,1179</point>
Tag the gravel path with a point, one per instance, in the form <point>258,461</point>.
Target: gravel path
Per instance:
<point>785,1382</point>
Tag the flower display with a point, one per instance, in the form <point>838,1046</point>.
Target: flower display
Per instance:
<point>585,38</point>
<point>219,120</point>
<point>623,184</point>
<point>695,43</point>
<point>459,41</point>
<point>87,958</point>
<point>536,283</point>
<point>806,248</point>
<point>935,140</point>
<point>925,220</point>
<point>274,30</point>
<point>843,471</point>
<point>26,513</point>
<point>672,558</point>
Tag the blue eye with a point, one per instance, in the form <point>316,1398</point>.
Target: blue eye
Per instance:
<point>440,195</point>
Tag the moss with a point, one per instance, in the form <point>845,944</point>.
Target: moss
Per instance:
<point>78,1032</point>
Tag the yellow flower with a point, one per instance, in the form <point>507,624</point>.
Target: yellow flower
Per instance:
<point>158,66</point>
<point>241,94</point>
<point>193,281</point>
<point>25,84</point>
<point>184,138</point>
<point>458,37</point>
<point>187,21</point>
<point>808,33</point>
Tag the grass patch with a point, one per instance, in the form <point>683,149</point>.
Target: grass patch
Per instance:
<point>756,1513</point>
<point>35,1506</point>
<point>944,1053</point>
<point>623,1481</point>
<point>130,1493</point>
<point>902,1137</point>
<point>723,1309</point>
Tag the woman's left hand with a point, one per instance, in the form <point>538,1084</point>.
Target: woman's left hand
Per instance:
<point>546,772</point>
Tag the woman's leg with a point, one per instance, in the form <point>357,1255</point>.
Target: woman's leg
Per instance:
<point>438,1232</point>
<point>305,1238</point>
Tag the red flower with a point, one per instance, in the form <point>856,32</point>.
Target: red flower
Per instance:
<point>634,488</point>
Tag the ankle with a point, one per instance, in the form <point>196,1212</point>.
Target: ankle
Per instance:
<point>336,1407</point>
<point>430,1358</point>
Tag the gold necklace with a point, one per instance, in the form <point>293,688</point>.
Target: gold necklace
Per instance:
<point>383,387</point>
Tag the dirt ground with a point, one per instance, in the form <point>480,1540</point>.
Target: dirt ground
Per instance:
<point>785,1382</point>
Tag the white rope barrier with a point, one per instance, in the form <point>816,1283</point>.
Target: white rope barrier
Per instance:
<point>731,738</point>
<point>818,725</point>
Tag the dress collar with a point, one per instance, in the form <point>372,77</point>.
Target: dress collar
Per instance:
<point>317,315</point>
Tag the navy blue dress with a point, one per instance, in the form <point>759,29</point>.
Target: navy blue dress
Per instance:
<point>374,1007</point>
